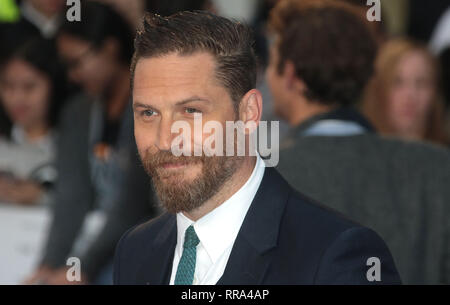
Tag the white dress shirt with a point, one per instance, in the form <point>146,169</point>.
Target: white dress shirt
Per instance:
<point>23,158</point>
<point>217,231</point>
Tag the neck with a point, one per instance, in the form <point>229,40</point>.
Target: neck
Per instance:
<point>36,131</point>
<point>417,133</point>
<point>229,188</point>
<point>118,94</point>
<point>304,110</point>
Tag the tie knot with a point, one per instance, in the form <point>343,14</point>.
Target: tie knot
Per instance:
<point>190,238</point>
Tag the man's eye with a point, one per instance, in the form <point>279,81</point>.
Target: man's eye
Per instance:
<point>147,113</point>
<point>192,110</point>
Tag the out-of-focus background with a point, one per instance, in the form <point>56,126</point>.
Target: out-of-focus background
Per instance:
<point>68,164</point>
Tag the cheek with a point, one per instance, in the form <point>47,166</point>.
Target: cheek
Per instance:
<point>270,77</point>
<point>213,128</point>
<point>7,103</point>
<point>94,74</point>
<point>396,98</point>
<point>393,99</point>
<point>141,139</point>
<point>40,97</point>
<point>37,100</point>
<point>6,97</point>
<point>144,136</point>
<point>197,134</point>
<point>426,96</point>
<point>275,85</point>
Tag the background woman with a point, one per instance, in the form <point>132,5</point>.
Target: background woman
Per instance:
<point>403,99</point>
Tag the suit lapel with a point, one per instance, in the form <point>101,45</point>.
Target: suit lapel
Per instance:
<point>157,267</point>
<point>251,255</point>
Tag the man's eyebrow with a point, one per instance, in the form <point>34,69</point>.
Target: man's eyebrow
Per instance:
<point>142,105</point>
<point>192,99</point>
<point>180,103</point>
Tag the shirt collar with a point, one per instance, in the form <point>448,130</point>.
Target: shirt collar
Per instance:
<point>344,114</point>
<point>218,229</point>
<point>19,137</point>
<point>47,26</point>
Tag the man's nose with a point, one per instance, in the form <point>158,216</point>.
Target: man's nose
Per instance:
<point>165,135</point>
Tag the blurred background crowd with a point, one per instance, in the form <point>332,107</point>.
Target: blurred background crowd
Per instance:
<point>364,110</point>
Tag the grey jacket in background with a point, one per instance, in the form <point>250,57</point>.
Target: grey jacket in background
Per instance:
<point>75,195</point>
<point>399,189</point>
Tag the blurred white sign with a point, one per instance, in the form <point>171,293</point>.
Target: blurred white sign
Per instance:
<point>23,231</point>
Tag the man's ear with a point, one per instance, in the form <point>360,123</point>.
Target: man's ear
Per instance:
<point>250,110</point>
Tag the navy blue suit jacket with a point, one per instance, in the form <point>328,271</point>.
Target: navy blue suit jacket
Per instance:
<point>285,238</point>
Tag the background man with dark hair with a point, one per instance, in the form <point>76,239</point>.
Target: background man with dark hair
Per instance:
<point>321,59</point>
<point>229,220</point>
<point>334,58</point>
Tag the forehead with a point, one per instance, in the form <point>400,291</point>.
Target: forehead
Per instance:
<point>18,69</point>
<point>415,61</point>
<point>174,76</point>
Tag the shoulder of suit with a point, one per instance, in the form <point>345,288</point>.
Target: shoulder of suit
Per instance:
<point>147,230</point>
<point>309,215</point>
<point>367,147</point>
<point>415,149</point>
<point>382,143</point>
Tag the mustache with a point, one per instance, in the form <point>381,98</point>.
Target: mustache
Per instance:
<point>160,158</point>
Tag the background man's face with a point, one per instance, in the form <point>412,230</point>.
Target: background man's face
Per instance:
<point>174,88</point>
<point>49,7</point>
<point>277,83</point>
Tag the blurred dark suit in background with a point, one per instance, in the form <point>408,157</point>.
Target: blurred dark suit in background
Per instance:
<point>399,189</point>
<point>130,203</point>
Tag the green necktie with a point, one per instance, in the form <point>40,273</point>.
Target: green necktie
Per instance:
<point>186,266</point>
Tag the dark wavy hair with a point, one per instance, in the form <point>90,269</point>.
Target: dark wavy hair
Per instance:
<point>229,42</point>
<point>330,44</point>
<point>41,54</point>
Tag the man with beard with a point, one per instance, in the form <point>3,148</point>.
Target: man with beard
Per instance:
<point>229,219</point>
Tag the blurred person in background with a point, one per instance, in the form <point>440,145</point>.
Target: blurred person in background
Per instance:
<point>32,90</point>
<point>310,104</point>
<point>97,158</point>
<point>44,15</point>
<point>322,58</point>
<point>32,18</point>
<point>403,98</point>
<point>39,17</point>
<point>133,10</point>
<point>379,28</point>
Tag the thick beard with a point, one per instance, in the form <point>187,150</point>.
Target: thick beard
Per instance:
<point>178,195</point>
